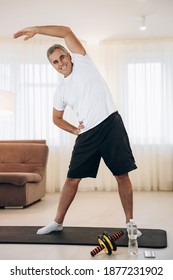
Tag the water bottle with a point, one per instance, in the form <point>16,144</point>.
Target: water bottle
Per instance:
<point>133,242</point>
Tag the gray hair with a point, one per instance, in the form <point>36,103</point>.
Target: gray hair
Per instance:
<point>54,47</point>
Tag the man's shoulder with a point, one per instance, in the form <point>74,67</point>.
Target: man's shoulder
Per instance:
<point>80,57</point>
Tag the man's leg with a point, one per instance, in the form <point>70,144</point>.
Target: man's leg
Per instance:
<point>126,195</point>
<point>67,195</point>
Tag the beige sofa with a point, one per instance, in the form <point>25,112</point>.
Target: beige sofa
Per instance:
<point>22,172</point>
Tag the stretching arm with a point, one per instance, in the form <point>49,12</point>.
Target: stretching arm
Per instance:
<point>72,42</point>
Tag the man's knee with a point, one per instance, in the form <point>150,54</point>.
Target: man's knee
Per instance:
<point>122,178</point>
<point>73,181</point>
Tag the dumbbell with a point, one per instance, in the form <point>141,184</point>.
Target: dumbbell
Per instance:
<point>107,243</point>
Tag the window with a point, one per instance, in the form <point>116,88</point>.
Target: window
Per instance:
<point>144,90</point>
<point>33,86</point>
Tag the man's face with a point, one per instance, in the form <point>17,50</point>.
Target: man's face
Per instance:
<point>61,62</point>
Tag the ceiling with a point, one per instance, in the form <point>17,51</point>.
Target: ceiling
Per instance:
<point>91,20</point>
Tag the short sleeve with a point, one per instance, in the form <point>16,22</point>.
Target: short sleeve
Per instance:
<point>58,102</point>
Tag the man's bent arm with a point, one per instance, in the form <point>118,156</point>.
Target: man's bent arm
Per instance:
<point>63,124</point>
<point>72,42</point>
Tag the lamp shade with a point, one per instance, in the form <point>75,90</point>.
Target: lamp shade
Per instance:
<point>6,101</point>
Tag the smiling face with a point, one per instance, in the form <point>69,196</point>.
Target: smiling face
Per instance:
<point>61,61</point>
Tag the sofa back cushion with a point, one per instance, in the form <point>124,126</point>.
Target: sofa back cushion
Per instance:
<point>23,157</point>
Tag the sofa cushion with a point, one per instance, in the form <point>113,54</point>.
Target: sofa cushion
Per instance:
<point>23,157</point>
<point>19,178</point>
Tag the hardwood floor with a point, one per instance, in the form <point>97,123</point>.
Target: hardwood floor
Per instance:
<point>151,210</point>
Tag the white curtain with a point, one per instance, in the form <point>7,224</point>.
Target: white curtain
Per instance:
<point>139,74</point>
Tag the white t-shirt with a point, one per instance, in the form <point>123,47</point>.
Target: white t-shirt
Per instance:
<point>86,92</point>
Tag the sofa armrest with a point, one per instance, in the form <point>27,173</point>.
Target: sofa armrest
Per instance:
<point>19,178</point>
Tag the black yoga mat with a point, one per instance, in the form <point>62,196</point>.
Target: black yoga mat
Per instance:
<point>151,238</point>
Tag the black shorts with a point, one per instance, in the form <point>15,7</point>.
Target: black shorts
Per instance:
<point>108,140</point>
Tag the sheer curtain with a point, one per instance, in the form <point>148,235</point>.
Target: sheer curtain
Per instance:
<point>141,82</point>
<point>140,77</point>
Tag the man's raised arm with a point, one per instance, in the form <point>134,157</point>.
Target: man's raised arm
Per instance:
<point>72,42</point>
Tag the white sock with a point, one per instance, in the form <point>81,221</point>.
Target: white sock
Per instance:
<point>50,227</point>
